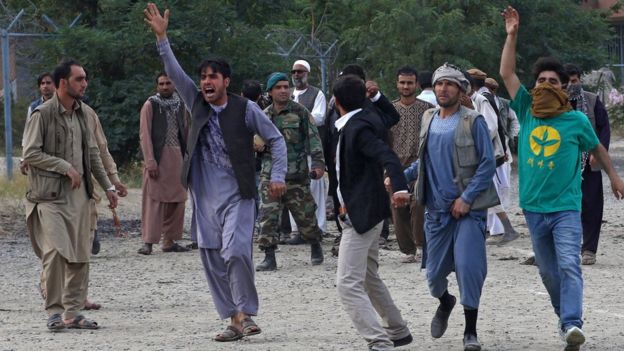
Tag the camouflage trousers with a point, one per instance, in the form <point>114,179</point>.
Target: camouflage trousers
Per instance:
<point>299,201</point>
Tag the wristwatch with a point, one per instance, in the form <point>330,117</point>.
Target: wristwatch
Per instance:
<point>112,188</point>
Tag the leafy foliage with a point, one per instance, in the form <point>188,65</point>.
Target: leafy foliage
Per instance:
<point>119,51</point>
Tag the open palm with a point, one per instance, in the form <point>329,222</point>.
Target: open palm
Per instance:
<point>512,20</point>
<point>154,19</point>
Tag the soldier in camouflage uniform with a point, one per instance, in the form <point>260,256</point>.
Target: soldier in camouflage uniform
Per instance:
<point>302,139</point>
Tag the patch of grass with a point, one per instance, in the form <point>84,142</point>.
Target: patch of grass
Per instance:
<point>131,174</point>
<point>13,189</point>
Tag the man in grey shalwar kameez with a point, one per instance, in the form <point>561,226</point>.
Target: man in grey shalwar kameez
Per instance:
<point>219,170</point>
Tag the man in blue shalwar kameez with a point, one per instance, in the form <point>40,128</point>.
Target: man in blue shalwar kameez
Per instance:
<point>219,170</point>
<point>456,166</point>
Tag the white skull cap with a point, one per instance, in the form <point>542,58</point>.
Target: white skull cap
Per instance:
<point>304,63</point>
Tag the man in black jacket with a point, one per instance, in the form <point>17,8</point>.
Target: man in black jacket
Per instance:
<point>361,156</point>
<point>377,104</point>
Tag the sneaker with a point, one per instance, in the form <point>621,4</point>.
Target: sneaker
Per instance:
<point>508,237</point>
<point>574,338</point>
<point>403,341</point>
<point>530,261</point>
<point>588,258</point>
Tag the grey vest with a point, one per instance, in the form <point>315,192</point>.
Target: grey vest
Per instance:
<point>159,128</point>
<point>307,99</point>
<point>465,159</point>
<point>238,140</point>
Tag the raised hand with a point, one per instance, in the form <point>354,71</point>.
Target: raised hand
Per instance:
<point>157,22</point>
<point>512,20</point>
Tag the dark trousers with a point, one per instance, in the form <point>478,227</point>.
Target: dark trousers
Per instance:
<point>592,208</point>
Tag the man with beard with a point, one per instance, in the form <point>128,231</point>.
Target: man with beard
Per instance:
<point>455,170</point>
<point>314,100</point>
<point>592,202</point>
<point>162,133</point>
<point>218,169</point>
<point>302,143</point>
<point>62,156</point>
<point>552,139</point>
<point>408,221</point>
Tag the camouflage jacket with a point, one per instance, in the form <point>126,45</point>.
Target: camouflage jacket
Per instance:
<point>302,140</point>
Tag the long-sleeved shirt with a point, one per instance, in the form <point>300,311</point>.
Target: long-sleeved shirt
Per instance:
<point>302,140</point>
<point>255,119</point>
<point>441,189</point>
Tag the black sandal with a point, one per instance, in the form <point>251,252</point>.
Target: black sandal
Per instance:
<point>80,322</point>
<point>250,327</point>
<point>55,322</point>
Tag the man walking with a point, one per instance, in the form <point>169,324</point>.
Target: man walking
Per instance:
<point>302,143</point>
<point>361,157</point>
<point>551,141</point>
<point>162,131</point>
<point>62,156</point>
<point>456,166</point>
<point>502,234</point>
<point>592,203</point>
<point>219,170</point>
<point>408,221</point>
<point>314,100</point>
<point>501,150</point>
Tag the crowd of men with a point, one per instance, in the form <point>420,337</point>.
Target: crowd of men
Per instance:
<point>437,164</point>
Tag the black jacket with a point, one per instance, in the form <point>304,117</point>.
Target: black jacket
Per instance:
<point>364,154</point>
<point>382,108</point>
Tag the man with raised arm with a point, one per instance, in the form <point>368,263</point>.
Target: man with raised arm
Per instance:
<point>219,171</point>
<point>552,138</point>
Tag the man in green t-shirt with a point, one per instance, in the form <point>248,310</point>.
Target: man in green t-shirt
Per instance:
<point>552,138</point>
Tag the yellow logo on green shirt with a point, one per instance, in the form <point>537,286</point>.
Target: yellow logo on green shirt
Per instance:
<point>544,140</point>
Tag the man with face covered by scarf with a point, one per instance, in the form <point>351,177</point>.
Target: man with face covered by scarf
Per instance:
<point>591,185</point>
<point>552,139</point>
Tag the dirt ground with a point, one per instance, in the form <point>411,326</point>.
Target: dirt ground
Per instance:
<point>162,302</point>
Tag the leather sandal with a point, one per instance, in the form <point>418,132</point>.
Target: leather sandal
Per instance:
<point>55,322</point>
<point>231,333</point>
<point>250,327</point>
<point>80,322</point>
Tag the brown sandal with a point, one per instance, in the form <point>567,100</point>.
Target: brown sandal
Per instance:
<point>250,327</point>
<point>231,333</point>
